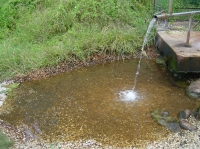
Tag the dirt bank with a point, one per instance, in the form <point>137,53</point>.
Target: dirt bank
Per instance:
<point>68,66</point>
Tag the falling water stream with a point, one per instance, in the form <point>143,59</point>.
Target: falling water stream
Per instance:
<point>131,95</point>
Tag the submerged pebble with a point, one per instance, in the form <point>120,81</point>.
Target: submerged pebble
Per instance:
<point>183,139</point>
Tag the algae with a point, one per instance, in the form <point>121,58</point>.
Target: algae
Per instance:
<point>172,64</point>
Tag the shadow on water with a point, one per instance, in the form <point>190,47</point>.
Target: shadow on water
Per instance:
<point>85,104</point>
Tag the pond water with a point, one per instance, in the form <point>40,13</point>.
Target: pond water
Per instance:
<point>86,104</point>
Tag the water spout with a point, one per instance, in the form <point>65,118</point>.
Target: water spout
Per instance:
<point>151,24</point>
<point>131,95</point>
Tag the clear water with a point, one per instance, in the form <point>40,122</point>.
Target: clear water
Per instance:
<point>132,95</point>
<point>85,104</point>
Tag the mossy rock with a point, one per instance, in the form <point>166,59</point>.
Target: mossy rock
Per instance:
<point>181,83</point>
<point>172,64</point>
<point>161,61</point>
<point>164,119</point>
<point>12,86</point>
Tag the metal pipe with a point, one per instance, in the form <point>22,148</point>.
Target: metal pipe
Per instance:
<point>165,16</point>
<point>188,33</point>
<point>170,6</point>
<point>166,23</point>
<point>169,12</point>
<point>154,5</point>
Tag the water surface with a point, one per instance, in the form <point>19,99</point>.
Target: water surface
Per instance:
<point>85,104</point>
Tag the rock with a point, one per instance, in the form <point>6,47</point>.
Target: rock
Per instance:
<point>165,113</point>
<point>187,126</point>
<point>173,126</point>
<point>144,54</point>
<point>184,114</point>
<point>196,113</point>
<point>163,118</point>
<point>181,83</point>
<point>36,128</point>
<point>193,90</point>
<point>161,61</point>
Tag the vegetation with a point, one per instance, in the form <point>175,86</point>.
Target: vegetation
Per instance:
<point>5,143</point>
<point>10,88</point>
<point>39,33</point>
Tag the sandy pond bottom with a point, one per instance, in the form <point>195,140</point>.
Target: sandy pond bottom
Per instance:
<point>85,104</point>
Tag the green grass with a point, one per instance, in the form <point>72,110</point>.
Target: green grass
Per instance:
<point>39,33</point>
<point>5,143</point>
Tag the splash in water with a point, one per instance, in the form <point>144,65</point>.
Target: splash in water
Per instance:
<point>131,95</point>
<point>128,95</point>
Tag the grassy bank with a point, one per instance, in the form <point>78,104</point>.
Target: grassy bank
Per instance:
<point>39,33</point>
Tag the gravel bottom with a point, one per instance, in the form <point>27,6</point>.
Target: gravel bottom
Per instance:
<point>25,139</point>
<point>183,139</point>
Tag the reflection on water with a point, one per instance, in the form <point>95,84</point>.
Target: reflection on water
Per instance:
<point>85,104</point>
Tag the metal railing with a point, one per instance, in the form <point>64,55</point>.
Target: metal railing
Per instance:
<point>178,5</point>
<point>163,15</point>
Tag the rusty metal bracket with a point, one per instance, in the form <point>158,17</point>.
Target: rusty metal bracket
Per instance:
<point>188,32</point>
